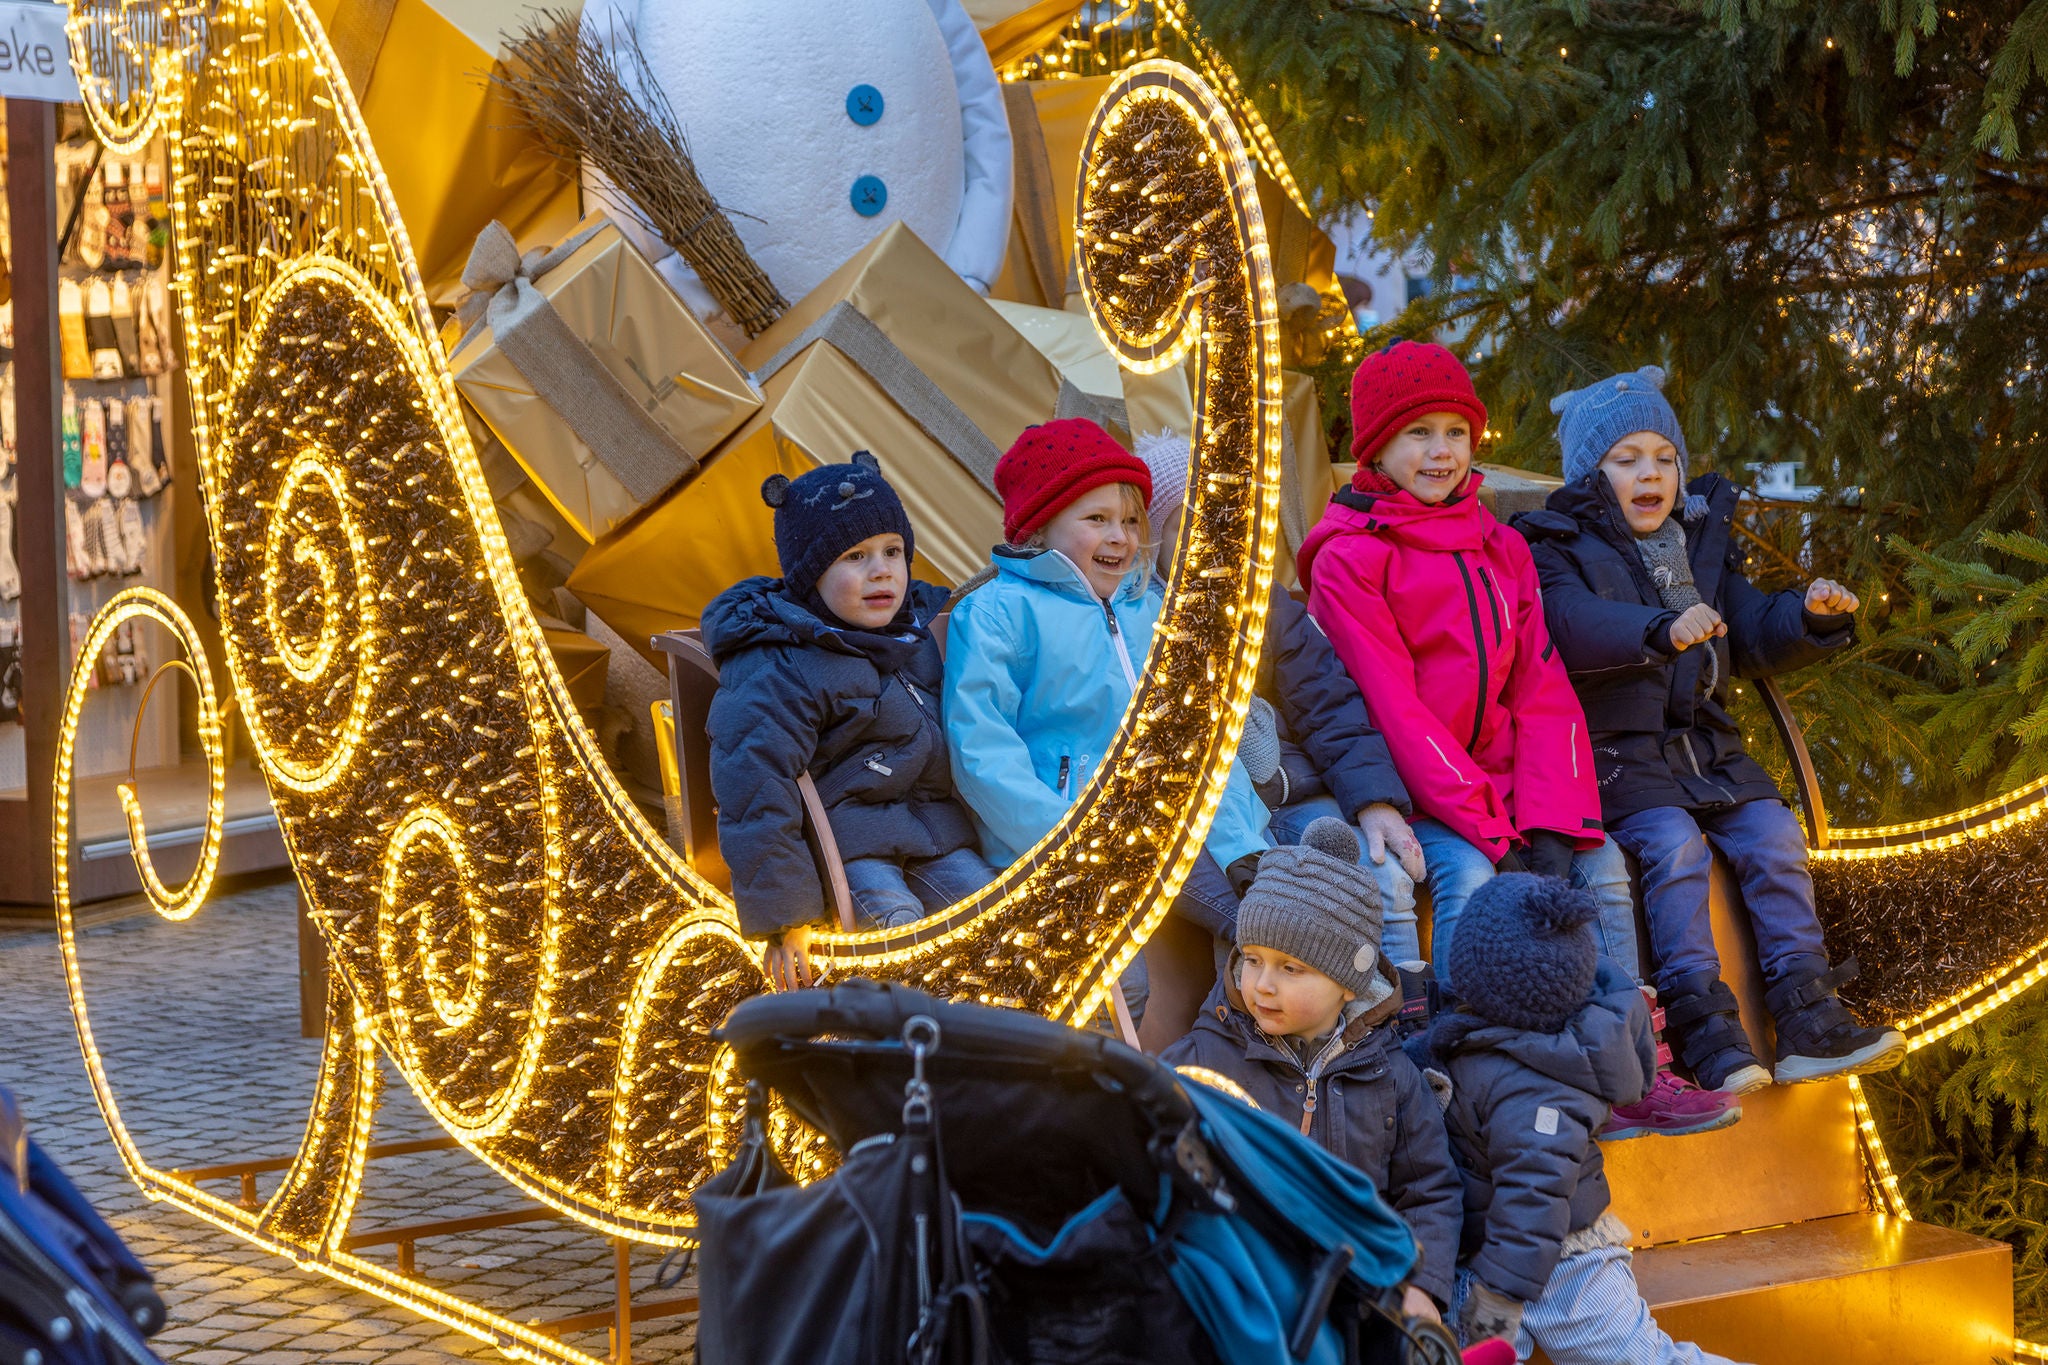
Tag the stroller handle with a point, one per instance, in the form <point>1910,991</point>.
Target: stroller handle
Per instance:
<point>870,1009</point>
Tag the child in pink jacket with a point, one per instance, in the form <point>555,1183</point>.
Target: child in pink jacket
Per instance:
<point>1434,608</point>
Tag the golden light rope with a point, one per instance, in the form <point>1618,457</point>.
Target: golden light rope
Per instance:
<point>501,921</point>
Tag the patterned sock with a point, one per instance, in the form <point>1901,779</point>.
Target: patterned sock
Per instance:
<point>92,429</point>
<point>74,447</point>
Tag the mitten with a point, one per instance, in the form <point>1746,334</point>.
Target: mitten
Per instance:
<point>71,330</point>
<point>74,447</point>
<point>135,428</point>
<point>1488,1313</point>
<point>92,428</point>
<point>124,325</point>
<point>10,568</point>
<point>134,542</point>
<point>1549,854</point>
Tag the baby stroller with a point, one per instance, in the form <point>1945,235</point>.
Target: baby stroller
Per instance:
<point>70,1292</point>
<point>1015,1192</point>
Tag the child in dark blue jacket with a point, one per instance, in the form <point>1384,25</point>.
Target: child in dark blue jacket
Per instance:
<point>832,670</point>
<point>1654,618</point>
<point>1300,1023</point>
<point>1547,1037</point>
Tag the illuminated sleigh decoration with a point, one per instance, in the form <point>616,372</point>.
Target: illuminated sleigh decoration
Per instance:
<point>501,922</point>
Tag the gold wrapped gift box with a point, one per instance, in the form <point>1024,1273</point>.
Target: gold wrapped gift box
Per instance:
<point>644,334</point>
<point>658,571</point>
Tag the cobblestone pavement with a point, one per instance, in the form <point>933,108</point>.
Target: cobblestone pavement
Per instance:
<point>199,1023</point>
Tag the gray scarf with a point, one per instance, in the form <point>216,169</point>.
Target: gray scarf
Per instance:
<point>1663,553</point>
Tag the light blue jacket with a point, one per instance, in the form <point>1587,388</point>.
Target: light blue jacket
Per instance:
<point>1039,672</point>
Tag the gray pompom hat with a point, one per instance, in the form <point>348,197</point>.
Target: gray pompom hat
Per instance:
<point>1592,419</point>
<point>1313,902</point>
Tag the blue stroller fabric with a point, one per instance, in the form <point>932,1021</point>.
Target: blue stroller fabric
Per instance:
<point>1244,1284</point>
<point>71,1293</point>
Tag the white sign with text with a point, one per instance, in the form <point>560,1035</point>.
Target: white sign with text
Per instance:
<point>35,54</point>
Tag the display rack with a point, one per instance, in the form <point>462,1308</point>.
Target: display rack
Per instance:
<point>122,739</point>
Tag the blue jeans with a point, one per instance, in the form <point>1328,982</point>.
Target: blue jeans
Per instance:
<point>1206,898</point>
<point>1399,941</point>
<point>1764,845</point>
<point>888,894</point>
<point>1457,869</point>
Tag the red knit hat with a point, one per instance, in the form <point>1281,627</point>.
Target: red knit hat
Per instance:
<point>1051,464</point>
<point>1403,381</point>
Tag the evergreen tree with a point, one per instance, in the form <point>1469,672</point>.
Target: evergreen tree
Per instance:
<point>1827,221</point>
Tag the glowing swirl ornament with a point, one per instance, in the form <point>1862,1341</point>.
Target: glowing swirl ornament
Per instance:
<point>542,968</point>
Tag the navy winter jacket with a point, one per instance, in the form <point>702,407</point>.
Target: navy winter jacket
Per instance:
<point>858,710</point>
<point>1524,1111</point>
<point>1363,1101</point>
<point>1327,742</point>
<point>1659,739</point>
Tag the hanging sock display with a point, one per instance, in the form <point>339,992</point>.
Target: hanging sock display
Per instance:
<point>102,538</point>
<point>10,567</point>
<point>125,525</point>
<point>100,336</point>
<point>71,330</point>
<point>74,449</point>
<point>160,454</point>
<point>75,562</point>
<point>135,429</point>
<point>92,422</point>
<point>158,214</point>
<point>153,326</point>
<point>124,325</point>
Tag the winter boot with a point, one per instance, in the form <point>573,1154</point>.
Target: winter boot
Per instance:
<point>1674,1107</point>
<point>1706,1027</point>
<point>1818,1038</point>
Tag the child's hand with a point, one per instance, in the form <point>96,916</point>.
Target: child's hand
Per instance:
<point>1416,1304</point>
<point>1386,831</point>
<point>1697,624</point>
<point>1825,597</point>
<point>789,959</point>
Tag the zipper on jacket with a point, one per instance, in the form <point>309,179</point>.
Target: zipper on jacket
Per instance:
<point>1066,771</point>
<point>1116,640</point>
<point>1492,601</point>
<point>1685,738</point>
<point>875,764</point>
<point>1479,642</point>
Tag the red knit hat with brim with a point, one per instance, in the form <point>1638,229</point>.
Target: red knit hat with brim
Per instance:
<point>1402,381</point>
<point>1051,464</point>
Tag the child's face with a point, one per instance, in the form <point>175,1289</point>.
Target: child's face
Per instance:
<point>1287,997</point>
<point>865,586</point>
<point>1643,469</point>
<point>1429,457</point>
<point>1103,532</point>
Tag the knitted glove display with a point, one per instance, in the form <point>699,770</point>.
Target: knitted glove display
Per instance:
<point>1488,1313</point>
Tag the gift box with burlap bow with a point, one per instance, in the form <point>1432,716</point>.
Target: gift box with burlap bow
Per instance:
<point>593,372</point>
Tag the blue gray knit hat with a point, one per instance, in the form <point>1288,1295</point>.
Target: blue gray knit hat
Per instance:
<point>826,511</point>
<point>1595,417</point>
<point>1522,953</point>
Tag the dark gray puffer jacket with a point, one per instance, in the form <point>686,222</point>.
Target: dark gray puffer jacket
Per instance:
<point>1362,1100</point>
<point>858,710</point>
<point>1524,1111</point>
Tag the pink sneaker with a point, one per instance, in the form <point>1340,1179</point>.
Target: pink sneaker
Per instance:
<point>1673,1108</point>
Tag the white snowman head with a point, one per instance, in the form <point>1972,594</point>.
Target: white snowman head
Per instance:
<point>817,123</point>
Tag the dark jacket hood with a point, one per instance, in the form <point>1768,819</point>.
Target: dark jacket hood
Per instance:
<point>1605,1049</point>
<point>758,612</point>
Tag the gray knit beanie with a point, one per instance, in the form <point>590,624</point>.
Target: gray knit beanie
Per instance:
<point>1167,454</point>
<point>1313,902</point>
<point>1522,953</point>
<point>1592,419</point>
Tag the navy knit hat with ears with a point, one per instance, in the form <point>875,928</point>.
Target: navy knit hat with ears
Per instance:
<point>828,511</point>
<point>1523,953</point>
<point>1592,419</point>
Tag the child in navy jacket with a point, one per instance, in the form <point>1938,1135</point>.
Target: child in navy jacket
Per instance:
<point>1654,618</point>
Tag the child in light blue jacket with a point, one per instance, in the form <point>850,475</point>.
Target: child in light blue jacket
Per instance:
<point>1042,661</point>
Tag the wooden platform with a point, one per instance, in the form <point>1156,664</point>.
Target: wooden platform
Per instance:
<point>174,806</point>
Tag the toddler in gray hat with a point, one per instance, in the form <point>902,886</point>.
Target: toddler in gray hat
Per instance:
<point>1301,1026</point>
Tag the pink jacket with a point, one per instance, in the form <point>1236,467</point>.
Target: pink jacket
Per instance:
<point>1436,612</point>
